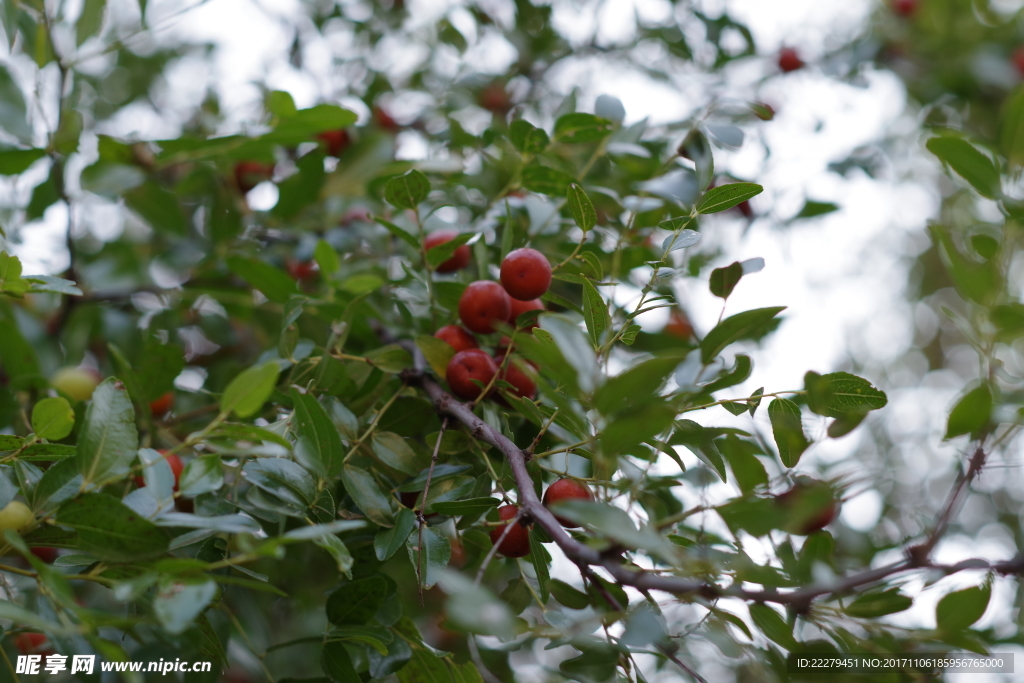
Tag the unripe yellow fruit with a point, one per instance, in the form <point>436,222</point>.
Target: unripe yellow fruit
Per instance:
<point>75,382</point>
<point>15,516</point>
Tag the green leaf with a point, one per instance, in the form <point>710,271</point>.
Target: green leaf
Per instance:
<point>432,558</point>
<point>476,609</point>
<point>545,180</point>
<point>812,209</point>
<point>393,451</point>
<point>612,523</point>
<point>727,196</point>
<point>772,625</point>
<point>959,609</point>
<point>595,312</point>
<point>634,426</point>
<point>326,258</point>
<point>880,604</point>
<point>11,281</point>
<point>845,424</point>
<point>12,108</point>
<point>971,413</point>
<point>158,207</point>
<point>90,21</point>
<point>697,149</point>
<point>527,138</point>
<point>425,667</point>
<point>61,481</point>
<point>734,328</point>
<point>301,189</point>
<point>974,281</point>
<point>629,335</point>
<point>756,516</point>
<point>283,478</point>
<point>273,282</point>
<point>788,430</point>
<point>400,233</point>
<point>387,541</point>
<point>567,595</point>
<point>540,559</point>
<point>15,161</point>
<point>581,207</point>
<point>361,485</point>
<point>969,163</point>
<point>337,550</point>
<point>437,352</point>
<point>595,664</point>
<point>304,124</point>
<point>319,438</point>
<point>407,191</point>
<point>249,390</point>
<point>204,474</point>
<point>53,418</point>
<point>337,663</point>
<point>741,455</point>
<point>442,252</point>
<point>179,601</point>
<point>109,440</point>
<point>1011,135</point>
<point>391,358</point>
<point>469,506</point>
<point>356,601</point>
<point>110,530</point>
<point>724,280</point>
<point>580,127</point>
<point>839,393</point>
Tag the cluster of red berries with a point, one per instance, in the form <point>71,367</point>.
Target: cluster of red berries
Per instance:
<point>517,541</point>
<point>525,276</point>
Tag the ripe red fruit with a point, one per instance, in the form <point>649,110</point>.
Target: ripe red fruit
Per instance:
<point>1018,59</point>
<point>678,325</point>
<point>466,366</point>
<point>47,555</point>
<point>566,489</point>
<point>904,8</point>
<point>31,643</point>
<point>460,259</point>
<point>514,374</point>
<point>517,541</point>
<point>525,274</point>
<point>494,98</point>
<point>175,464</point>
<point>745,209</point>
<point>520,307</point>
<point>814,503</point>
<point>408,498</point>
<point>384,120</point>
<point>335,141</point>
<point>301,271</point>
<point>789,60</point>
<point>484,303</point>
<point>459,338</point>
<point>249,174</point>
<point>162,405</point>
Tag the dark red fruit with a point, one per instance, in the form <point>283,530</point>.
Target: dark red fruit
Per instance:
<point>162,405</point>
<point>520,307</point>
<point>789,60</point>
<point>745,209</point>
<point>566,489</point>
<point>466,366</point>
<point>525,274</point>
<point>47,555</point>
<point>460,259</point>
<point>904,8</point>
<point>384,120</point>
<point>1018,60</point>
<point>31,643</point>
<point>494,98</point>
<point>408,498</point>
<point>484,303</point>
<point>335,141</point>
<point>176,467</point>
<point>515,375</point>
<point>301,271</point>
<point>249,174</point>
<point>517,541</point>
<point>459,338</point>
<point>813,502</point>
<point>678,325</point>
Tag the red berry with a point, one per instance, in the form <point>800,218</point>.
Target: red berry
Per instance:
<point>384,120</point>
<point>566,489</point>
<point>335,141</point>
<point>1018,60</point>
<point>678,325</point>
<point>494,98</point>
<point>517,541</point>
<point>514,374</point>
<point>30,643</point>
<point>484,303</point>
<point>814,501</point>
<point>408,498</point>
<point>789,60</point>
<point>520,307</point>
<point>249,174</point>
<point>745,209</point>
<point>904,8</point>
<point>525,274</point>
<point>466,366</point>
<point>460,259</point>
<point>162,405</point>
<point>301,271</point>
<point>47,555</point>
<point>459,338</point>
